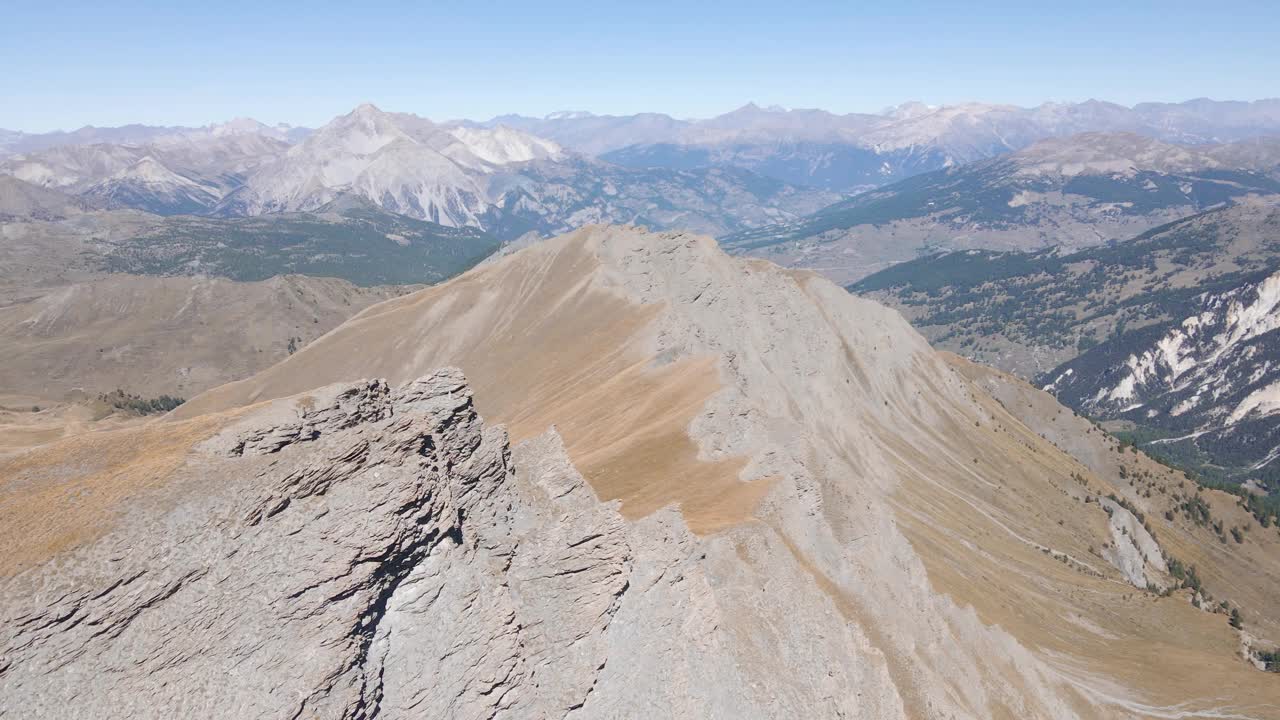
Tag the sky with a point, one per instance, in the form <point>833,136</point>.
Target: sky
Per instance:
<point>64,65</point>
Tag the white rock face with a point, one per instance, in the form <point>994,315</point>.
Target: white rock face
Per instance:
<point>1215,365</point>
<point>503,145</point>
<point>1132,550</point>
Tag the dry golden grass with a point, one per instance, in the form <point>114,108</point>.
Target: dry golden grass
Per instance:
<point>163,335</point>
<point>977,526</point>
<point>69,492</point>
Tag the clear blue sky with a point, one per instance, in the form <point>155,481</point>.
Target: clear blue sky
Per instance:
<point>68,64</point>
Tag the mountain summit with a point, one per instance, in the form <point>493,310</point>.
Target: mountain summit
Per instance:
<point>402,162</point>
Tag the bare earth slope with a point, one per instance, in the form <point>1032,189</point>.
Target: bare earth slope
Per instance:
<point>174,335</point>
<point>862,531</point>
<point>1157,489</point>
<point>19,199</point>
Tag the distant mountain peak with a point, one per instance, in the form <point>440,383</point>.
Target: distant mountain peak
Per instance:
<point>366,109</point>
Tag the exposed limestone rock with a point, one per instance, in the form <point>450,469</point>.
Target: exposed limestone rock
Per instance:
<point>1132,550</point>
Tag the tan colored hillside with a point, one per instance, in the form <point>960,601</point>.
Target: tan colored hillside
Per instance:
<point>150,336</point>
<point>1244,573</point>
<point>175,335</point>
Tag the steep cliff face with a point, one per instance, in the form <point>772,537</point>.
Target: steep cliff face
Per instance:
<point>734,491</point>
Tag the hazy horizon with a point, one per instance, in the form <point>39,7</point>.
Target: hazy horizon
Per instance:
<point>458,118</point>
<point>79,64</point>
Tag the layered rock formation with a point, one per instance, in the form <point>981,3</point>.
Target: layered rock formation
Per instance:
<point>358,552</point>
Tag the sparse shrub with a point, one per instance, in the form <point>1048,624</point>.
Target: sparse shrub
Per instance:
<point>1270,659</point>
<point>136,404</point>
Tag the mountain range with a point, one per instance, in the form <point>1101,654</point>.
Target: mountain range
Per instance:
<point>171,174</point>
<point>498,179</point>
<point>768,180</point>
<point>803,148</point>
<point>1060,192</point>
<point>14,142</point>
<point>397,418</point>
<point>856,151</point>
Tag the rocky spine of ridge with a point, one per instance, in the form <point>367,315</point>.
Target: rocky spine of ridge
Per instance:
<point>822,517</point>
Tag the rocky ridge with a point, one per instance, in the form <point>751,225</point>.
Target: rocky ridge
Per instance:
<point>807,511</point>
<point>383,556</point>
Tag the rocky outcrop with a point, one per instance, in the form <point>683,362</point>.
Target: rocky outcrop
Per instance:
<point>1132,550</point>
<point>358,552</point>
